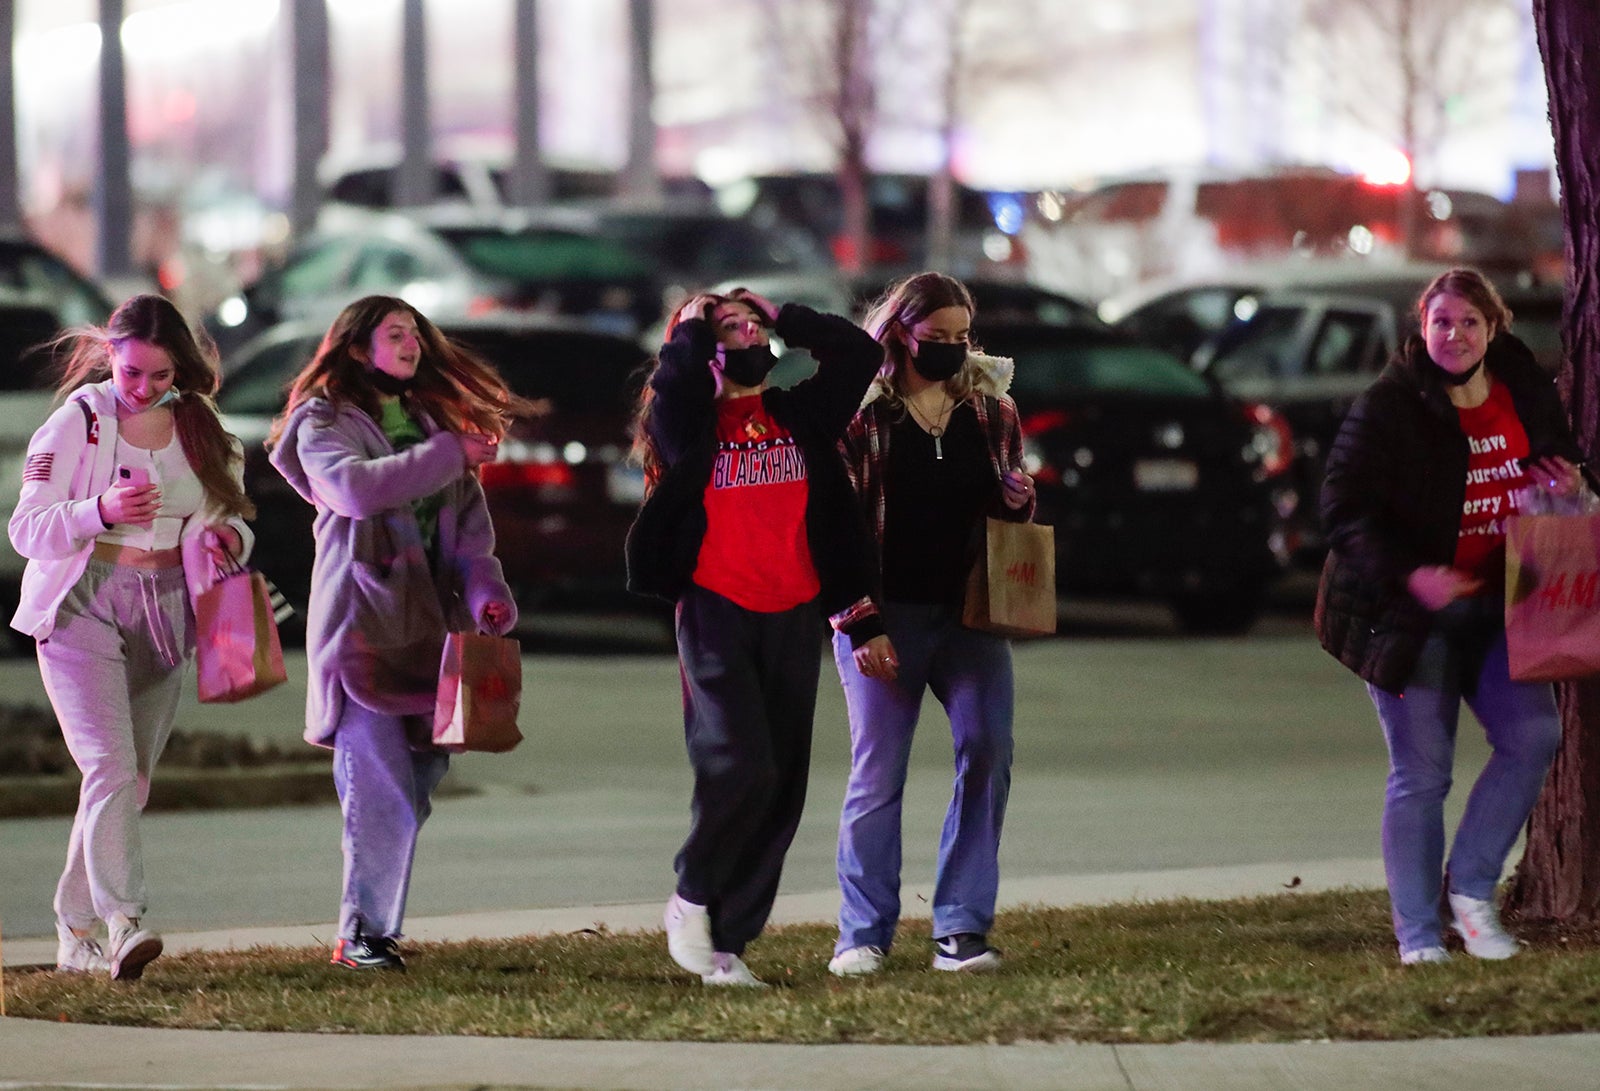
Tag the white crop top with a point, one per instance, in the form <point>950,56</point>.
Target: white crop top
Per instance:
<point>181,495</point>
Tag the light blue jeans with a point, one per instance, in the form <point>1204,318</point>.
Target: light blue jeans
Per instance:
<point>1464,659</point>
<point>970,675</point>
<point>385,791</point>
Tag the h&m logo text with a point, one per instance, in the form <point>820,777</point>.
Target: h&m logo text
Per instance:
<point>1557,593</point>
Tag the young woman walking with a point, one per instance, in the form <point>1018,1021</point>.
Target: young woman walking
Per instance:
<point>132,499</point>
<point>383,434</point>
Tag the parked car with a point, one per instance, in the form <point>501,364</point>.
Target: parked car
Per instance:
<point>27,394</point>
<point>561,492</point>
<point>988,223</point>
<point>690,243</point>
<point>447,262</point>
<point>1309,355</point>
<point>614,264</point>
<point>1182,314</point>
<point>1197,223</point>
<point>31,275</point>
<point>1159,485</point>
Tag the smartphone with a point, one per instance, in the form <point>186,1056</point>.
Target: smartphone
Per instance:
<point>133,476</point>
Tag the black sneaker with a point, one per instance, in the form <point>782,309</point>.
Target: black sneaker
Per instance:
<point>964,951</point>
<point>367,953</point>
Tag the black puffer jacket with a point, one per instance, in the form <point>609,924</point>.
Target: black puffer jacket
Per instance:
<point>1392,500</point>
<point>663,544</point>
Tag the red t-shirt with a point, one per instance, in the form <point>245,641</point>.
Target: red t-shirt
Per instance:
<point>1496,440</point>
<point>755,551</point>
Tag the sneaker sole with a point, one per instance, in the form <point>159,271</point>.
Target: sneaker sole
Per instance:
<point>984,963</point>
<point>130,967</point>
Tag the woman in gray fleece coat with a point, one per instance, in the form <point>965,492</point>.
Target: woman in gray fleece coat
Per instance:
<point>383,434</point>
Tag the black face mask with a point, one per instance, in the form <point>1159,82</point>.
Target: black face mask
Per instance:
<point>1462,379</point>
<point>937,361</point>
<point>385,383</point>
<point>748,366</point>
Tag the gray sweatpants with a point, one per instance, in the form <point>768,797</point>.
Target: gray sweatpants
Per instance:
<point>113,668</point>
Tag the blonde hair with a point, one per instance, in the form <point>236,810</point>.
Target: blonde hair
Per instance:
<point>902,305</point>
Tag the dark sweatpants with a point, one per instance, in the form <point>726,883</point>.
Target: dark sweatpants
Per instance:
<point>749,695</point>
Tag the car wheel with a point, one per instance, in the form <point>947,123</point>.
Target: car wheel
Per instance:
<point>1227,613</point>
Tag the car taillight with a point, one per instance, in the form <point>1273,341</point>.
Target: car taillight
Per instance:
<point>1271,440</point>
<point>1044,421</point>
<point>483,304</point>
<point>526,475</point>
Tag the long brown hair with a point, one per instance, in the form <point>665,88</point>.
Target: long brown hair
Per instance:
<point>153,320</point>
<point>456,388</point>
<point>901,307</point>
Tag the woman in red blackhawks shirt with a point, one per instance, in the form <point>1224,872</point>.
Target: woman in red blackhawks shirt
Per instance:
<point>750,527</point>
<point>1428,465</point>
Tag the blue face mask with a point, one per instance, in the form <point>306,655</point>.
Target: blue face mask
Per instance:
<point>166,399</point>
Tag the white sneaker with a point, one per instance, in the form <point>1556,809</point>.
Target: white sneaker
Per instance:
<point>856,962</point>
<point>689,936</point>
<point>1424,954</point>
<point>132,948</point>
<point>77,954</point>
<point>730,970</point>
<point>1480,929</point>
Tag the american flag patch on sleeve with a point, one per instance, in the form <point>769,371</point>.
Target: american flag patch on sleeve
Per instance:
<point>38,466</point>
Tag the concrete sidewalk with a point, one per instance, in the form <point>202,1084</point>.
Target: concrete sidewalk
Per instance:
<point>36,1054</point>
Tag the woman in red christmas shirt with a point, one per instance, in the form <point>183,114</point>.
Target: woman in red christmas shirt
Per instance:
<point>1427,467</point>
<point>751,528</point>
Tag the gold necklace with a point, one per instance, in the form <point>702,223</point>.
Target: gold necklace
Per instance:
<point>934,428</point>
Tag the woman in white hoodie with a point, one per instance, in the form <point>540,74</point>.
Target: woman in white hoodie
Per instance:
<point>935,449</point>
<point>132,497</point>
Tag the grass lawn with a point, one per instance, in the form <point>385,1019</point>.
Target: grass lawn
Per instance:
<point>1282,968</point>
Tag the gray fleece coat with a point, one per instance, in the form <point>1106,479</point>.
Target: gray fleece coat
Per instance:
<point>379,609</point>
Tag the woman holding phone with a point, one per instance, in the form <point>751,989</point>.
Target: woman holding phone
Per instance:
<point>132,499</point>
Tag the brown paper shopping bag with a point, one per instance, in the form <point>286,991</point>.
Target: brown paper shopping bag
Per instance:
<point>1553,596</point>
<point>237,652</point>
<point>1012,587</point>
<point>480,691</point>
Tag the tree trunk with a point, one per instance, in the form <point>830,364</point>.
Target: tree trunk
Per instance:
<point>854,107</point>
<point>1559,876</point>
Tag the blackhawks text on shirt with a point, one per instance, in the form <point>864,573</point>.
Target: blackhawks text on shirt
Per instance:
<point>755,549</point>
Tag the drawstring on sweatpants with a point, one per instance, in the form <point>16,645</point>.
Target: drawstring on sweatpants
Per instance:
<point>160,627</point>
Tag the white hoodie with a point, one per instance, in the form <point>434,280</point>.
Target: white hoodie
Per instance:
<point>71,461</point>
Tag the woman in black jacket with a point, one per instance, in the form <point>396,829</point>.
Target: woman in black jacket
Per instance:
<point>1428,465</point>
<point>751,528</point>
